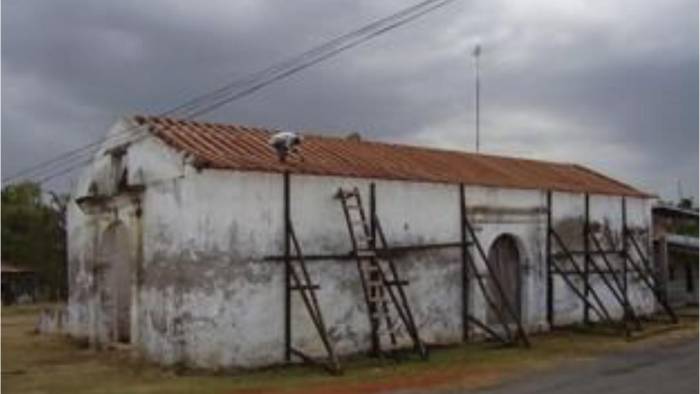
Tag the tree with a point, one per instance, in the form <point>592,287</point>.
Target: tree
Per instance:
<point>686,203</point>
<point>33,234</point>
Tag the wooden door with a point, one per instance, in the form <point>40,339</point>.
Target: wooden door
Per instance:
<point>504,259</point>
<point>116,292</point>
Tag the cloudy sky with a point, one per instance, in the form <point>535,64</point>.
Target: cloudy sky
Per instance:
<point>608,84</point>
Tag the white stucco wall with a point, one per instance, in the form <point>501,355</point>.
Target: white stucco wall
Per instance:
<point>85,232</point>
<point>605,215</point>
<point>205,295</point>
<point>522,216</point>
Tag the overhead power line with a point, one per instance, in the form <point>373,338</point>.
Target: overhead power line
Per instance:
<point>321,52</point>
<point>348,44</point>
<point>235,90</point>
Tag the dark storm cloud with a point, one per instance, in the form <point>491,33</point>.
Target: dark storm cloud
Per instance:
<point>613,86</point>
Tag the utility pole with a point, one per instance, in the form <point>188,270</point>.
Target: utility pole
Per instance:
<point>476,53</point>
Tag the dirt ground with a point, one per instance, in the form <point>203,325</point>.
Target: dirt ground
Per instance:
<point>34,363</point>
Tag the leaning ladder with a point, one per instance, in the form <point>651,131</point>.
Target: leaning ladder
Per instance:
<point>387,304</point>
<point>646,274</point>
<point>615,284</point>
<point>598,306</point>
<point>300,280</point>
<point>501,313</point>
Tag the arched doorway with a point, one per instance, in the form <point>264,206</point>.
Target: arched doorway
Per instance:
<point>115,286</point>
<point>504,259</point>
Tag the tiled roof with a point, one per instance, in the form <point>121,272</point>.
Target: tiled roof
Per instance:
<point>245,148</point>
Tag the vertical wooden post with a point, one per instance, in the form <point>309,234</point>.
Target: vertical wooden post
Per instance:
<point>376,345</point>
<point>287,272</point>
<point>465,266</point>
<point>586,258</point>
<point>548,247</point>
<point>661,258</point>
<point>138,272</point>
<point>624,250</point>
<point>372,215</point>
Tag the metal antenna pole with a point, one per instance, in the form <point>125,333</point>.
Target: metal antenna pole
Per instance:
<point>476,53</point>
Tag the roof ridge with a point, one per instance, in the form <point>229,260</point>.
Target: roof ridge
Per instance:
<point>376,159</point>
<point>600,174</point>
<point>317,134</point>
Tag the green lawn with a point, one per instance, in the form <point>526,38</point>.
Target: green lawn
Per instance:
<point>55,364</point>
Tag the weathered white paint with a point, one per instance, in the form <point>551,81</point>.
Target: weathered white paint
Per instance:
<point>204,294</point>
<point>605,213</point>
<point>529,230</point>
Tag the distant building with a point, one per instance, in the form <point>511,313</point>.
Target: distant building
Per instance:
<point>677,253</point>
<point>19,285</point>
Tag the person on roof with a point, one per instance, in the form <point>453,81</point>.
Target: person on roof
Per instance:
<point>285,142</point>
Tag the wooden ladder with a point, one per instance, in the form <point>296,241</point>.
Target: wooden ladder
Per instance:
<point>390,316</point>
<point>643,270</point>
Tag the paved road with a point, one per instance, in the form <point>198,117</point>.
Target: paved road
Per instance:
<point>668,369</point>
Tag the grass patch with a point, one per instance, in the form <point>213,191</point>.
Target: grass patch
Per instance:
<point>28,309</point>
<point>55,364</point>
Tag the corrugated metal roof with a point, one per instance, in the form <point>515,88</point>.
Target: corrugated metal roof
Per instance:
<point>246,148</point>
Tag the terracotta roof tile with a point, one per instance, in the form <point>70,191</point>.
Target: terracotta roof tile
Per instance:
<point>245,148</point>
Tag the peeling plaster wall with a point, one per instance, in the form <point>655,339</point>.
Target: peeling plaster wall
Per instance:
<point>212,301</point>
<point>89,302</point>
<point>518,213</point>
<point>605,215</point>
<point>208,298</point>
<point>434,276</point>
<point>415,213</point>
<point>204,295</point>
<point>148,161</point>
<point>639,221</point>
<point>80,245</point>
<point>412,213</point>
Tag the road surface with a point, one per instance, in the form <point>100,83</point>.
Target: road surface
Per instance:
<point>661,368</point>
